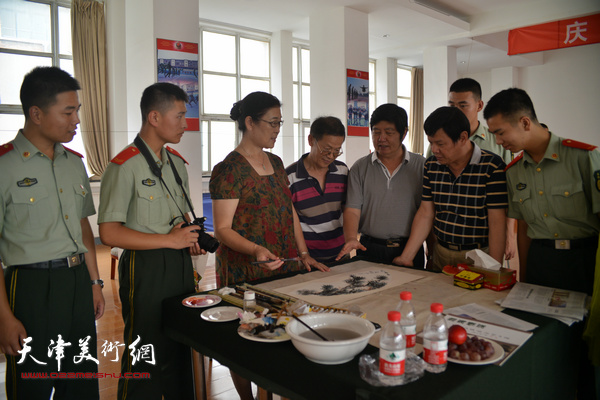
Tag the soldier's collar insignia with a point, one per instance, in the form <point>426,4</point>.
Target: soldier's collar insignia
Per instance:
<point>521,186</point>
<point>148,182</point>
<point>26,182</point>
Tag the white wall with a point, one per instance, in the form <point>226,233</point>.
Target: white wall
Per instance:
<point>564,90</point>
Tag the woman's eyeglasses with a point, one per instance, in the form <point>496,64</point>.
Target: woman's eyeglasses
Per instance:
<point>336,153</point>
<point>274,124</point>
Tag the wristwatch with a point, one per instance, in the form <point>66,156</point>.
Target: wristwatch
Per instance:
<point>98,282</point>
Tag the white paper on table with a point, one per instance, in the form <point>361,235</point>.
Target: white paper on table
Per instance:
<point>481,313</point>
<point>546,301</point>
<point>348,286</point>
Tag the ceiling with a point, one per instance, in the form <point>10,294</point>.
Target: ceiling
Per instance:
<point>402,29</point>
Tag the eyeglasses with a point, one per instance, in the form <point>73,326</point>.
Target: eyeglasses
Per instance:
<point>274,124</point>
<point>336,153</point>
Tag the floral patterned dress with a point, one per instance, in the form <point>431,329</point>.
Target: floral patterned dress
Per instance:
<point>263,216</point>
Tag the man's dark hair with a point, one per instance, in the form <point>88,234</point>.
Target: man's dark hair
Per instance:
<point>160,97</point>
<point>390,113</point>
<point>327,126</point>
<point>41,86</point>
<point>512,104</point>
<point>450,119</point>
<point>467,85</point>
<point>254,105</point>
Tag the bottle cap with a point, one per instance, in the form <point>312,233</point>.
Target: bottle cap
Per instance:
<point>248,295</point>
<point>437,308</point>
<point>394,316</point>
<point>405,296</point>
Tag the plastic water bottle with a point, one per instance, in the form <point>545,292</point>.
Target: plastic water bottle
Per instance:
<point>249,301</point>
<point>392,350</point>
<point>435,340</point>
<point>409,320</point>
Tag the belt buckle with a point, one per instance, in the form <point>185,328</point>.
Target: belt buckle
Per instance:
<point>454,247</point>
<point>391,243</point>
<point>562,244</point>
<point>73,261</point>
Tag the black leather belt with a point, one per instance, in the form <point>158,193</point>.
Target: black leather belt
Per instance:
<point>568,244</point>
<point>385,242</point>
<point>67,262</point>
<point>461,247</point>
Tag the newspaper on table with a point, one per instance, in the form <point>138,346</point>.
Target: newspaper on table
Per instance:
<point>478,312</point>
<point>565,305</point>
<point>510,339</point>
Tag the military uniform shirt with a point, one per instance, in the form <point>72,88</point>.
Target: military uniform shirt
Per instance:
<point>130,193</point>
<point>42,202</point>
<point>559,198</point>
<point>486,141</point>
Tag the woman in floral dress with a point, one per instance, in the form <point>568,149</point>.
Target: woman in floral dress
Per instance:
<point>253,214</point>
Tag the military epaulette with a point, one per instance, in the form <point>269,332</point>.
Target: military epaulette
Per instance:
<point>173,151</point>
<point>513,162</point>
<point>73,151</point>
<point>125,155</point>
<point>578,145</point>
<point>5,148</point>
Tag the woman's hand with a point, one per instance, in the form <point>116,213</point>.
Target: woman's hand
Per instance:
<point>262,254</point>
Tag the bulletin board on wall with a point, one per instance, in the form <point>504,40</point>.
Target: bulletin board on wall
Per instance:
<point>357,102</point>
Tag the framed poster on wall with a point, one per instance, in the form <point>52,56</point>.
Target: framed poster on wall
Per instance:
<point>357,102</point>
<point>177,63</point>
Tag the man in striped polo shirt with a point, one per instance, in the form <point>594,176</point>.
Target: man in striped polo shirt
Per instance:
<point>318,185</point>
<point>464,195</point>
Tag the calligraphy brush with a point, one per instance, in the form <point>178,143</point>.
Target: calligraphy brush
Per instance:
<point>309,328</point>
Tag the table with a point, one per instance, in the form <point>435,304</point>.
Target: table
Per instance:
<point>541,369</point>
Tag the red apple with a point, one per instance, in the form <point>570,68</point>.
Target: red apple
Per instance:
<point>457,334</point>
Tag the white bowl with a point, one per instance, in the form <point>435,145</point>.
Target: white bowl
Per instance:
<point>330,352</point>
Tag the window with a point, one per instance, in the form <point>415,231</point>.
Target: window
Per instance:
<point>301,81</point>
<point>372,99</point>
<point>232,66</point>
<point>403,91</point>
<point>32,33</point>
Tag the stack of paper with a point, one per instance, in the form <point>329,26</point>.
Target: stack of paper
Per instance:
<point>565,305</point>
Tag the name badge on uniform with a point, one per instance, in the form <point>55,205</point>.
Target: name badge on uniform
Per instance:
<point>148,182</point>
<point>26,182</point>
<point>521,186</point>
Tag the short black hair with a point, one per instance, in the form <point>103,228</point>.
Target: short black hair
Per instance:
<point>450,119</point>
<point>327,126</point>
<point>512,104</point>
<point>254,105</point>
<point>41,85</point>
<point>467,85</point>
<point>390,113</point>
<point>160,97</point>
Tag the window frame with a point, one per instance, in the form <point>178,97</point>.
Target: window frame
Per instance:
<point>300,124</point>
<point>212,117</point>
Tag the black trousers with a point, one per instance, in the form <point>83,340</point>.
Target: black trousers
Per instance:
<point>146,278</point>
<point>380,253</point>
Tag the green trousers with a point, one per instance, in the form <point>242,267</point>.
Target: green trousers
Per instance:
<point>52,303</point>
<point>146,278</point>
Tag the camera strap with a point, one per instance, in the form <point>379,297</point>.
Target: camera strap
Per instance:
<point>139,143</point>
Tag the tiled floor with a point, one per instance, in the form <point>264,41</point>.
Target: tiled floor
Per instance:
<point>110,329</point>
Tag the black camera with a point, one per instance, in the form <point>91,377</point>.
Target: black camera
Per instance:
<point>205,241</point>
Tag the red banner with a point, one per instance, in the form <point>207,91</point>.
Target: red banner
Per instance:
<point>357,102</point>
<point>555,35</point>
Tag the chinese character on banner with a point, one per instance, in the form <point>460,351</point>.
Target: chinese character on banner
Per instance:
<point>145,352</point>
<point>84,355</point>
<point>107,347</point>
<point>58,349</point>
<point>26,349</point>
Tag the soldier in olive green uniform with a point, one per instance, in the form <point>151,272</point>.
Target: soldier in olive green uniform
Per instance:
<point>143,215</point>
<point>554,193</point>
<point>50,290</point>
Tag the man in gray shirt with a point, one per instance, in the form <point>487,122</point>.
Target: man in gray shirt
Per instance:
<point>384,192</point>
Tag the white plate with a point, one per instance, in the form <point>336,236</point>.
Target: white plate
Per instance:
<point>498,354</point>
<point>221,314</point>
<point>201,301</point>
<point>283,338</point>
